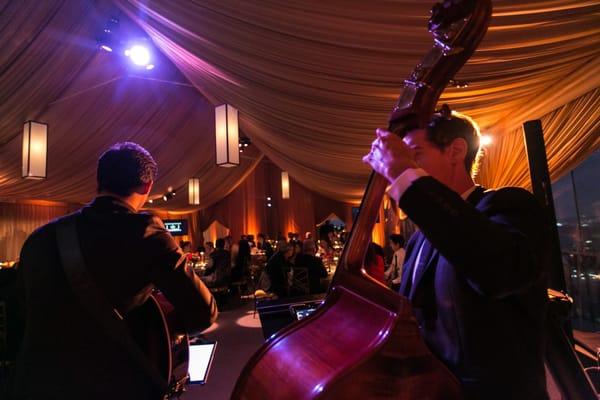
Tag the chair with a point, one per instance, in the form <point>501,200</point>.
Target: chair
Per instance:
<point>300,283</point>
<point>220,294</point>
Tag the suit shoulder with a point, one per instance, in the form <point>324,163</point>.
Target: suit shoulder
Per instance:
<point>511,197</point>
<point>146,218</point>
<point>44,233</point>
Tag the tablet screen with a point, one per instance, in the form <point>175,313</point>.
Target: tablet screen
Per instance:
<point>201,356</point>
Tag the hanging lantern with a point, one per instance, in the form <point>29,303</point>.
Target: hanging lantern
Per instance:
<point>35,148</point>
<point>227,136</point>
<point>194,191</point>
<point>285,185</point>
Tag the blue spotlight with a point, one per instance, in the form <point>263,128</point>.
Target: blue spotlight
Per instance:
<point>140,55</point>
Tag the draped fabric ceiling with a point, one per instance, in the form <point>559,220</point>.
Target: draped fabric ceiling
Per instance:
<point>51,71</point>
<point>312,80</point>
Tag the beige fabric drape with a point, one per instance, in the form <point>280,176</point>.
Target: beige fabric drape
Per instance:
<point>570,135</point>
<point>52,71</point>
<point>312,79</point>
<point>245,210</point>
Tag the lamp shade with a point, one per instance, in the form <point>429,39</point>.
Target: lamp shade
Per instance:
<point>194,191</point>
<point>285,185</point>
<point>227,136</point>
<point>35,149</point>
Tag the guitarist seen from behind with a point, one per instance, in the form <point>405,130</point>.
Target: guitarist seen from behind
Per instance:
<point>65,353</point>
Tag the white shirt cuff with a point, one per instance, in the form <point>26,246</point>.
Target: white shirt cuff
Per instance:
<point>397,188</point>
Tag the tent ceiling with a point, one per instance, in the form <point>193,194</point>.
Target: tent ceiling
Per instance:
<point>312,79</point>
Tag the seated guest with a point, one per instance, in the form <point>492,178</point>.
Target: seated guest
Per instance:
<point>394,272</point>
<point>278,267</point>
<point>209,248</point>
<point>219,266</point>
<point>241,261</point>
<point>186,246</point>
<point>297,246</point>
<point>314,265</point>
<point>262,244</point>
<point>374,264</point>
<point>250,239</point>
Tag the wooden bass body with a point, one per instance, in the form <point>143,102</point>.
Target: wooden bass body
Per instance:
<point>358,344</point>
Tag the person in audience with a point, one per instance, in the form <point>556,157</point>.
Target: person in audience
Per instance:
<point>218,268</point>
<point>263,245</point>
<point>476,271</point>
<point>393,274</point>
<point>278,267</point>
<point>228,242</point>
<point>210,247</point>
<point>374,264</point>
<point>251,242</point>
<point>186,246</point>
<point>297,246</point>
<point>66,352</point>
<point>314,265</point>
<point>241,262</point>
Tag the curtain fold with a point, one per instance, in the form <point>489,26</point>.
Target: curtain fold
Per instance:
<point>571,134</point>
<point>52,71</point>
<point>246,210</point>
<point>18,221</point>
<point>312,80</point>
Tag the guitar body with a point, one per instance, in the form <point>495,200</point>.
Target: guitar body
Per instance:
<point>152,326</point>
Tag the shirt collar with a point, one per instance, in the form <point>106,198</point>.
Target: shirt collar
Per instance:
<point>108,201</point>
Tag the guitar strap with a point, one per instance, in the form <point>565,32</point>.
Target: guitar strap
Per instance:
<point>95,302</point>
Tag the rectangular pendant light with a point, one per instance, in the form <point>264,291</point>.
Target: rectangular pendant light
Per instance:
<point>35,149</point>
<point>227,136</point>
<point>194,191</point>
<point>285,185</point>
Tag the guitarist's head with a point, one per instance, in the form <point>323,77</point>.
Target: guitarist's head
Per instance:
<point>126,171</point>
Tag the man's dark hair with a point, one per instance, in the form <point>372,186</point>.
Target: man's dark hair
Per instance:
<point>447,125</point>
<point>124,167</point>
<point>397,239</point>
<point>220,243</point>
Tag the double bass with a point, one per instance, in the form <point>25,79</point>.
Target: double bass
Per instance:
<point>364,341</point>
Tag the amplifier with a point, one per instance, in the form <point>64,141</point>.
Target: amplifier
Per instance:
<point>277,314</point>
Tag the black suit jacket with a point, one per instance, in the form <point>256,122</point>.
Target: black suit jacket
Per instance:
<point>65,354</point>
<point>480,301</point>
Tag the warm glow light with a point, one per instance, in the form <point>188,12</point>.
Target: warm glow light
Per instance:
<point>35,148</point>
<point>485,140</point>
<point>194,191</point>
<point>285,185</point>
<point>227,136</point>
